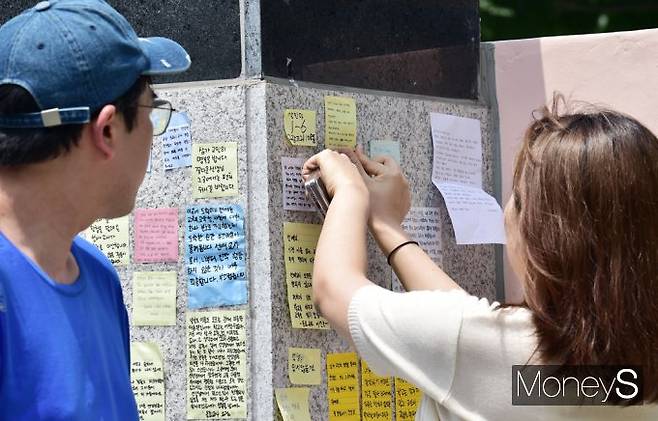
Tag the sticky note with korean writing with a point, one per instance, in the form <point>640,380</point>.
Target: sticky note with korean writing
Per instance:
<point>294,193</point>
<point>177,142</point>
<point>215,170</point>
<point>385,148</point>
<point>293,403</point>
<point>340,122</point>
<point>304,366</point>
<point>343,387</point>
<point>216,365</point>
<point>299,242</point>
<point>156,235</point>
<point>299,127</point>
<point>111,237</point>
<point>215,253</point>
<point>147,379</point>
<point>154,298</point>
<point>407,399</point>
<point>376,396</point>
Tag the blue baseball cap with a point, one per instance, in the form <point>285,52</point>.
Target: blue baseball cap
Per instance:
<point>74,56</point>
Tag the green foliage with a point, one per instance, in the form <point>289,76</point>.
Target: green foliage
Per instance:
<point>513,19</point>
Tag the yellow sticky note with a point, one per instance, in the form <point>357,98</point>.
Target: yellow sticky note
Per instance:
<point>299,127</point>
<point>376,397</point>
<point>147,379</point>
<point>111,237</point>
<point>299,252</point>
<point>304,366</point>
<point>154,298</point>
<point>343,387</point>
<point>216,364</point>
<point>407,398</point>
<point>214,170</point>
<point>293,403</point>
<point>340,122</point>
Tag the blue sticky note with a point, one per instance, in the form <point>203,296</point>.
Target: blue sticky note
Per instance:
<point>385,147</point>
<point>177,142</point>
<point>215,255</point>
<point>179,119</point>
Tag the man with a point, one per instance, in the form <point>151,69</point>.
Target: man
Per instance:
<point>75,136</point>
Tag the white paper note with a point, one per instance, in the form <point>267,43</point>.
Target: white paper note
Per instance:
<point>457,150</point>
<point>476,216</point>
<point>457,172</point>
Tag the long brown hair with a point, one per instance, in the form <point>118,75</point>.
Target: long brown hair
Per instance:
<point>586,194</point>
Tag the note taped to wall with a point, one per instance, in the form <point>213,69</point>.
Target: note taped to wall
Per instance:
<point>299,252</point>
<point>340,122</point>
<point>147,379</point>
<point>343,387</point>
<point>154,298</point>
<point>385,148</point>
<point>407,399</point>
<point>423,224</point>
<point>376,397</point>
<point>156,235</point>
<point>111,237</point>
<point>294,193</point>
<point>177,142</point>
<point>293,403</point>
<point>457,143</point>
<point>457,172</point>
<point>215,170</point>
<point>216,365</point>
<point>304,366</point>
<point>215,255</point>
<point>476,216</point>
<point>299,127</point>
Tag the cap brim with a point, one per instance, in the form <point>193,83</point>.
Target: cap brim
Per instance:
<point>165,56</point>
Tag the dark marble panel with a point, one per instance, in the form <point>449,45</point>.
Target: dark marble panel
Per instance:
<point>423,47</point>
<point>209,31</point>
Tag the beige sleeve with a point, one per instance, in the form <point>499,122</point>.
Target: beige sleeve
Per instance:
<point>411,335</point>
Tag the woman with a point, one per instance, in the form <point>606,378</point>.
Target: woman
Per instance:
<point>582,234</point>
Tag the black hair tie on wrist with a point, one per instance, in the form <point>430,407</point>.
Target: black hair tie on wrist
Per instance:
<point>388,259</point>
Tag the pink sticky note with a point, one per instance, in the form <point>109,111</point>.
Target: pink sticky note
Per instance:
<point>156,235</point>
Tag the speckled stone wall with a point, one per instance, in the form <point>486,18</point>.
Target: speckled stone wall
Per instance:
<point>251,113</point>
<point>379,117</point>
<point>217,114</point>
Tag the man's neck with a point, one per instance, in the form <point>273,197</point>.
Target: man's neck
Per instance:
<point>41,214</point>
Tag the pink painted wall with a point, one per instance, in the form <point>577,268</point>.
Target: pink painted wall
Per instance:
<point>618,70</point>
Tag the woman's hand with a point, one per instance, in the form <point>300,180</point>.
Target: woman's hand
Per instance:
<point>337,171</point>
<point>390,199</point>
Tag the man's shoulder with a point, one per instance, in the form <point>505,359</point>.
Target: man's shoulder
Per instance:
<point>92,256</point>
<point>10,258</point>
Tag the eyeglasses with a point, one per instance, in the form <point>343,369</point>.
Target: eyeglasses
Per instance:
<point>160,115</point>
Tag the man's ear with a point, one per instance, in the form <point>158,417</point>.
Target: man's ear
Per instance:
<point>104,130</point>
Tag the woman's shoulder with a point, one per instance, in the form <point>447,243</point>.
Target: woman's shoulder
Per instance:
<point>477,319</point>
<point>493,332</point>
<point>476,308</point>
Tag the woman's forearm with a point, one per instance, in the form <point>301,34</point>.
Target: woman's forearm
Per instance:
<point>341,258</point>
<point>411,264</point>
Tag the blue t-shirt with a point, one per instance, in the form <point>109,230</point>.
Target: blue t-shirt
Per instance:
<point>64,349</point>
